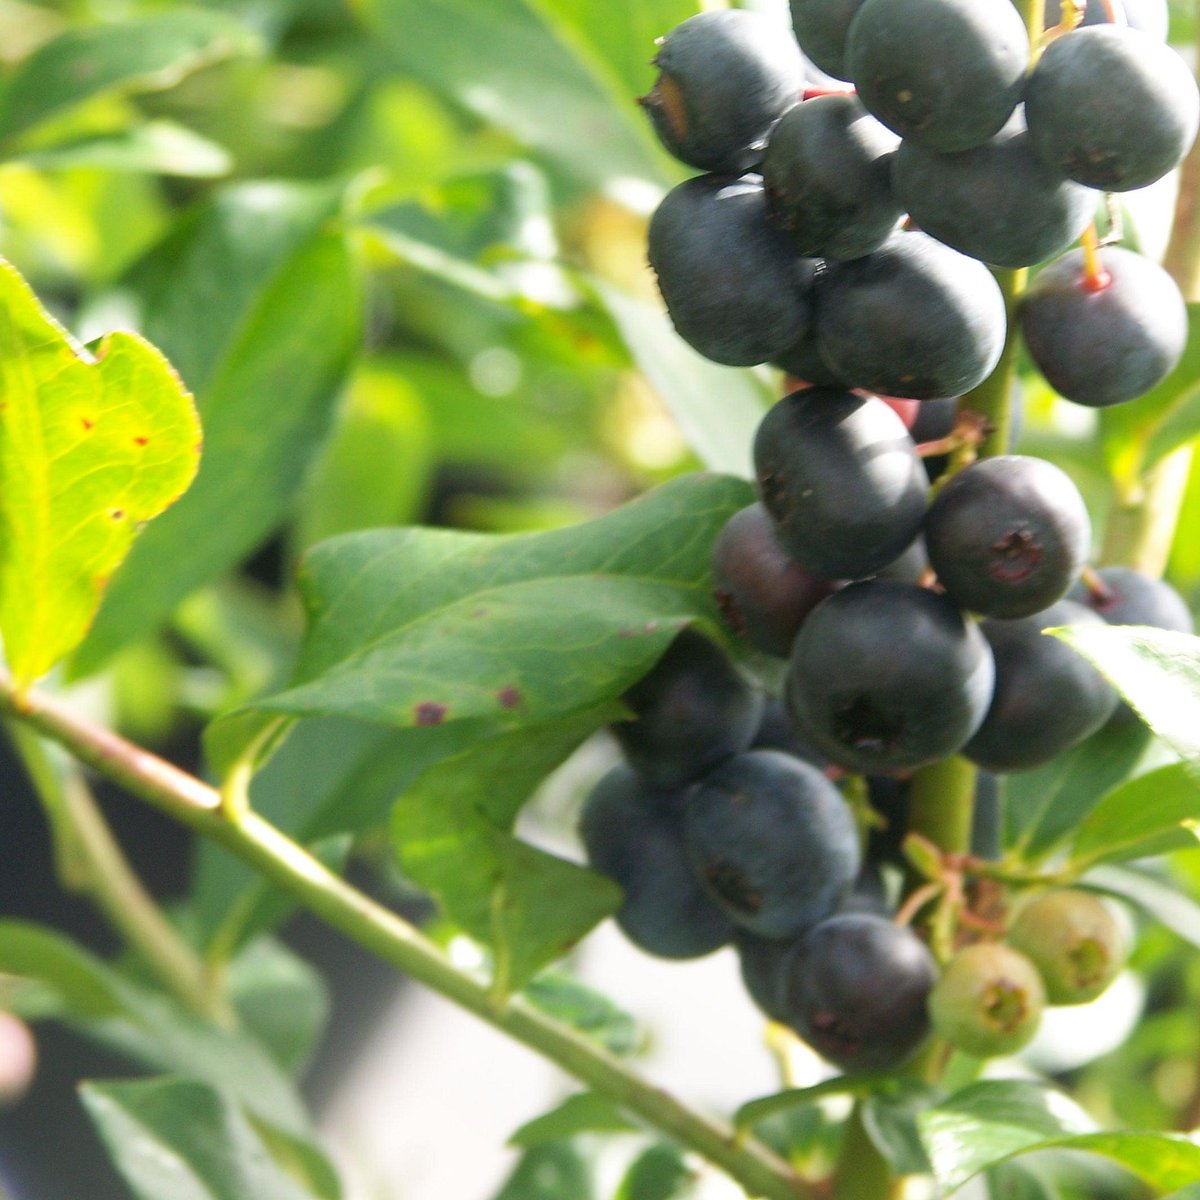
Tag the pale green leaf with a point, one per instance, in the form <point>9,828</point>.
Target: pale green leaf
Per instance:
<point>91,447</point>
<point>584,1112</point>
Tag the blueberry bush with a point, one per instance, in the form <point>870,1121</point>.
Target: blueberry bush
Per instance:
<point>784,415</point>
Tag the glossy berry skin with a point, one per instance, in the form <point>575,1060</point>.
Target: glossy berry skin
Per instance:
<point>1131,598</point>
<point>988,1001</point>
<point>724,79</point>
<point>633,833</point>
<point>913,318</point>
<point>1073,940</point>
<point>821,27</point>
<point>1128,131</point>
<point>1150,16</point>
<point>691,711</point>
<point>735,289</point>
<point>1047,697</point>
<point>772,842</point>
<point>944,73</point>
<point>856,991</point>
<point>827,172</point>
<point>840,477</point>
<point>1107,342</point>
<point>997,202</point>
<point>1008,536</point>
<point>762,593</point>
<point>884,676</point>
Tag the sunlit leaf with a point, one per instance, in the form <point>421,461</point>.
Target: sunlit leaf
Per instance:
<point>584,1112</point>
<point>91,447</point>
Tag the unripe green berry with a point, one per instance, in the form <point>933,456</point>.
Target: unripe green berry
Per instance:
<point>1073,940</point>
<point>988,1001</point>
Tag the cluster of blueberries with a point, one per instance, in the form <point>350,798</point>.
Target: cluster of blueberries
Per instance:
<point>845,235</point>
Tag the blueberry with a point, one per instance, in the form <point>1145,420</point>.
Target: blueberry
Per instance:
<point>735,288</point>
<point>856,990</point>
<point>828,178</point>
<point>841,479</point>
<point>763,963</point>
<point>885,676</point>
<point>772,841</point>
<point>1131,598</point>
<point>997,202</point>
<point>1047,697</point>
<point>777,731</point>
<point>1008,536</point>
<point>724,79</point>
<point>1111,107</point>
<point>944,73</point>
<point>988,1001</point>
<point>912,318</point>
<point>633,833</point>
<point>691,711</point>
<point>762,593</point>
<point>1104,341</point>
<point>821,27</point>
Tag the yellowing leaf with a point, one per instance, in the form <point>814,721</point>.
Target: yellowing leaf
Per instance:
<point>90,449</point>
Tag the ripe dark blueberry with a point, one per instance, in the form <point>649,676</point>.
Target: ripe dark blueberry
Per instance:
<point>762,593</point>
<point>1104,341</point>
<point>1073,940</point>
<point>1111,107</point>
<point>988,1001</point>
<point>763,963</point>
<point>1008,536</point>
<point>1047,697</point>
<point>821,27</point>
<point>735,288</point>
<point>1127,597</point>
<point>856,991</point>
<point>828,178</point>
<point>910,567</point>
<point>884,676</point>
<point>803,360</point>
<point>772,841</point>
<point>945,73</point>
<point>840,477</point>
<point>777,731</point>
<point>634,834</point>
<point>1150,16</point>
<point>913,318</point>
<point>997,202</point>
<point>724,79</point>
<point>691,711</point>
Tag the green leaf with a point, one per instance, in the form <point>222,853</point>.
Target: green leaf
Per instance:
<point>149,1027</point>
<point>990,1122</point>
<point>420,627</point>
<point>79,983</point>
<point>718,409</point>
<point>1044,806</point>
<point>1136,436</point>
<point>1155,895</point>
<point>754,1111</point>
<point>1187,1193</point>
<point>155,148</point>
<point>267,363</point>
<point>1154,813</point>
<point>658,1173</point>
<point>889,1116</point>
<point>525,67</point>
<point>584,1112</point>
<point>1015,1181</point>
<point>183,1139</point>
<point>1156,670</point>
<point>91,447</point>
<point>595,1016</point>
<point>281,999</point>
<point>142,54</point>
<point>451,836</point>
<point>555,1171</point>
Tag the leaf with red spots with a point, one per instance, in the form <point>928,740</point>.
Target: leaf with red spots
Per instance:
<point>423,626</point>
<point>91,447</point>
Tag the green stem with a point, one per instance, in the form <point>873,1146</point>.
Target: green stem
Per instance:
<point>395,941</point>
<point>862,1173</point>
<point>90,862</point>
